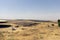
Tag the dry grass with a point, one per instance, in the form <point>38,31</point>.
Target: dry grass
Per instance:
<point>41,31</point>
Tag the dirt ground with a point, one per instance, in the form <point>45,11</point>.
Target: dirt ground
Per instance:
<point>41,31</point>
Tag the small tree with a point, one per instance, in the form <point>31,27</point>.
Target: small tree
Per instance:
<point>59,23</point>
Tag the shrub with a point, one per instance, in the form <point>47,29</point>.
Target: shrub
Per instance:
<point>59,23</point>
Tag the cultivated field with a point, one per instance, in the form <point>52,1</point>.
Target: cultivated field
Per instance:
<point>30,30</point>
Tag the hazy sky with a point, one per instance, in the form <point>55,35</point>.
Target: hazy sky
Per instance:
<point>30,9</point>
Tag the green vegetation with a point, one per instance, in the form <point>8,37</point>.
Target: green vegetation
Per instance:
<point>59,23</point>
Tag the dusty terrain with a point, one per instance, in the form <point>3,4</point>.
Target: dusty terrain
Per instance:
<point>30,30</point>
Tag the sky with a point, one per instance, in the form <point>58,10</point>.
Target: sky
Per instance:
<point>30,9</point>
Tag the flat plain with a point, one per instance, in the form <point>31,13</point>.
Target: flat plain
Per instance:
<point>30,30</point>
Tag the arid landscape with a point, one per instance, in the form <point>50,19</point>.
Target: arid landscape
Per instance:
<point>29,30</point>
<point>29,19</point>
